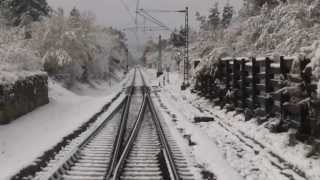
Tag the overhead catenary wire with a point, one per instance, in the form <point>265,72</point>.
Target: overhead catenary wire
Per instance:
<point>137,8</point>
<point>143,27</point>
<point>133,18</point>
<point>127,9</point>
<point>144,12</point>
<point>153,21</point>
<point>164,11</point>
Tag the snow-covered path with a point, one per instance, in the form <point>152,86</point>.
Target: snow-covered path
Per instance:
<point>229,147</point>
<point>26,138</point>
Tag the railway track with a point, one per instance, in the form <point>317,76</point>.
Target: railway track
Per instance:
<point>131,143</point>
<point>150,152</point>
<point>90,155</point>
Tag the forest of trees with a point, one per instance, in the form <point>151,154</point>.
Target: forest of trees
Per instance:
<point>68,45</point>
<point>259,27</point>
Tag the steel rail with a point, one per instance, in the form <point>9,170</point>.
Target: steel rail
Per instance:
<point>146,89</point>
<point>131,140</point>
<point>57,171</point>
<point>167,151</point>
<point>165,148</point>
<point>134,132</point>
<point>121,131</point>
<point>165,145</point>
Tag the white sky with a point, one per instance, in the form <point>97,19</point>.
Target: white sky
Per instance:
<point>113,13</point>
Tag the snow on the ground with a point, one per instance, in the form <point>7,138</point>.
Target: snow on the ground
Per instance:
<point>250,149</point>
<point>95,88</point>
<point>7,77</point>
<point>206,154</point>
<point>26,138</point>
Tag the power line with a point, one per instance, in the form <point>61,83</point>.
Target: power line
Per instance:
<point>164,11</point>
<point>127,9</point>
<point>145,28</point>
<point>152,20</point>
<point>133,18</point>
<point>150,16</point>
<point>137,8</point>
<point>136,24</point>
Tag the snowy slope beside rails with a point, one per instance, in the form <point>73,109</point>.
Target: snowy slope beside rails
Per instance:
<point>250,149</point>
<point>205,156</point>
<point>26,138</point>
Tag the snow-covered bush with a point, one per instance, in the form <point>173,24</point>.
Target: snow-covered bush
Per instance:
<point>313,52</point>
<point>283,29</point>
<point>19,58</point>
<point>71,47</point>
<point>16,56</point>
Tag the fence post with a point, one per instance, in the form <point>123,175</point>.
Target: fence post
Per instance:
<point>306,73</point>
<point>268,85</point>
<point>228,75</point>
<point>222,73</point>
<point>255,80</point>
<point>212,78</point>
<point>305,128</point>
<point>208,82</point>
<point>235,81</point>
<point>244,75</point>
<point>283,97</point>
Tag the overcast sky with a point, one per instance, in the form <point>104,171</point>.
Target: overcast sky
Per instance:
<point>113,12</point>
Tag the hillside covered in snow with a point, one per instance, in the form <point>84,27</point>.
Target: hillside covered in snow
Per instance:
<point>289,28</point>
<point>69,46</point>
<point>273,28</point>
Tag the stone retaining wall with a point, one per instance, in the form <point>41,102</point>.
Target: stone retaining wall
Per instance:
<point>22,96</point>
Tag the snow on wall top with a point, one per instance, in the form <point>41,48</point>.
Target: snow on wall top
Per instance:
<point>11,77</point>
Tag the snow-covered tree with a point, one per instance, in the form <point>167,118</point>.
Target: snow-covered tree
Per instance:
<point>74,18</point>
<point>202,21</point>
<point>72,47</point>
<point>270,3</point>
<point>227,15</point>
<point>252,7</point>
<point>214,17</point>
<point>315,11</point>
<point>178,38</point>
<point>17,10</point>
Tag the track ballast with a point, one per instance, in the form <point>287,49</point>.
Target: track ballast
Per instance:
<point>132,143</point>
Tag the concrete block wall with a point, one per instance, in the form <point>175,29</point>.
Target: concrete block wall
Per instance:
<point>23,96</point>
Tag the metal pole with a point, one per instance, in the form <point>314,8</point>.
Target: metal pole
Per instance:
<point>186,58</point>
<point>160,58</point>
<point>127,53</point>
<point>187,44</point>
